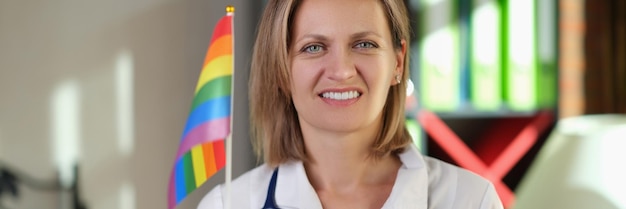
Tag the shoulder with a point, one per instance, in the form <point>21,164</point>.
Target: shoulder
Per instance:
<point>249,187</point>
<point>445,175</point>
<point>449,184</point>
<point>439,185</point>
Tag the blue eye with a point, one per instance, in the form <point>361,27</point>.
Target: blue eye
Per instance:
<point>365,45</point>
<point>312,49</point>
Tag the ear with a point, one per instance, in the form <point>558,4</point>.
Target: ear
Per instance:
<point>399,68</point>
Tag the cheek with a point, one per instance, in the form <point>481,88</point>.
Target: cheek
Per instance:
<point>301,77</point>
<point>379,71</point>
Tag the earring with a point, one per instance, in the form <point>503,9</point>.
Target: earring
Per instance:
<point>398,78</point>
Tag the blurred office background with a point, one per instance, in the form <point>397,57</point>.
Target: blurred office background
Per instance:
<point>97,92</point>
<point>107,86</point>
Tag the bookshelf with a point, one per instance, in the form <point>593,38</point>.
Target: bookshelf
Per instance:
<point>486,83</point>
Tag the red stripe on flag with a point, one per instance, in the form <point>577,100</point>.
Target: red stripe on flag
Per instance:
<point>220,156</point>
<point>223,27</point>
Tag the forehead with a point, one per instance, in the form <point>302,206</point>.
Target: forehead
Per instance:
<point>333,16</point>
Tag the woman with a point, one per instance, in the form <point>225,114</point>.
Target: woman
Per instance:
<point>327,97</point>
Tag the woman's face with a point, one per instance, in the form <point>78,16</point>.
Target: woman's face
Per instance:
<point>343,62</point>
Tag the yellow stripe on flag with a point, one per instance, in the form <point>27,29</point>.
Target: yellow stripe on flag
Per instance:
<point>197,157</point>
<point>220,66</point>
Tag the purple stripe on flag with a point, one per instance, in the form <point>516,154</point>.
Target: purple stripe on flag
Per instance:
<point>171,197</point>
<point>206,132</point>
<point>207,111</point>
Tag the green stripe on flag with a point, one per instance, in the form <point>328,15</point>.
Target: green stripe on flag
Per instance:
<point>190,182</point>
<point>217,87</point>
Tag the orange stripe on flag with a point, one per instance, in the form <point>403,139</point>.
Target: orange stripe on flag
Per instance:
<point>209,158</point>
<point>222,46</point>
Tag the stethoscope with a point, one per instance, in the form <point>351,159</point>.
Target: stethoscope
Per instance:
<point>270,200</point>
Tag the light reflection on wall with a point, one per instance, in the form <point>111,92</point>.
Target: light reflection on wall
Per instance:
<point>65,124</point>
<point>124,93</point>
<point>124,70</point>
<point>127,196</point>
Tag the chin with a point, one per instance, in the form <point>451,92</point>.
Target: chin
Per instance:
<point>343,127</point>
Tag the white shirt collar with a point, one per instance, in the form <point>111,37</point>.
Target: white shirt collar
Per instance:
<point>293,189</point>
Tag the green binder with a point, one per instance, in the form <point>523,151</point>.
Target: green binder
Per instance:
<point>485,71</point>
<point>547,52</point>
<point>521,60</point>
<point>439,55</point>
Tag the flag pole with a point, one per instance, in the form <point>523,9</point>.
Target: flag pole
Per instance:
<point>230,11</point>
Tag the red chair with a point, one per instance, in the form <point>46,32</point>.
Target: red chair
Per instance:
<point>487,159</point>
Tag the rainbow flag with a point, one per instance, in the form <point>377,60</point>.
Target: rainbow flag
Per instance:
<point>201,152</point>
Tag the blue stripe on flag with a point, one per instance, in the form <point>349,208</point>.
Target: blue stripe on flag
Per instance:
<point>209,110</point>
<point>179,173</point>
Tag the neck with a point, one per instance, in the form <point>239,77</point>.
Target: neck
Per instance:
<point>343,163</point>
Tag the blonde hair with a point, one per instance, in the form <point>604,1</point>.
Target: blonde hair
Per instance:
<point>275,128</point>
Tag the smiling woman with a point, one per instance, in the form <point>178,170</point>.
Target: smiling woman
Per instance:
<point>327,96</point>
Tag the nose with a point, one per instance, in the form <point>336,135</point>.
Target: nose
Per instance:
<point>340,66</point>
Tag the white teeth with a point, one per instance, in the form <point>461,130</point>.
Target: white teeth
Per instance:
<point>341,95</point>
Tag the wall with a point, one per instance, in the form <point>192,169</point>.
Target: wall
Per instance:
<point>592,50</point>
<point>572,56</point>
<point>108,84</point>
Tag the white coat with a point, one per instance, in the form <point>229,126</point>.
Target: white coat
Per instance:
<point>422,183</point>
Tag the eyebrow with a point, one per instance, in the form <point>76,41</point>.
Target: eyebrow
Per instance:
<point>323,38</point>
<point>313,36</point>
<point>364,34</point>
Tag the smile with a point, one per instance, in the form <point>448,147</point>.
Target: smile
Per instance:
<point>340,95</point>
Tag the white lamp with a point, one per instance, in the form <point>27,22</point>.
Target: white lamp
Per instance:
<point>581,166</point>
